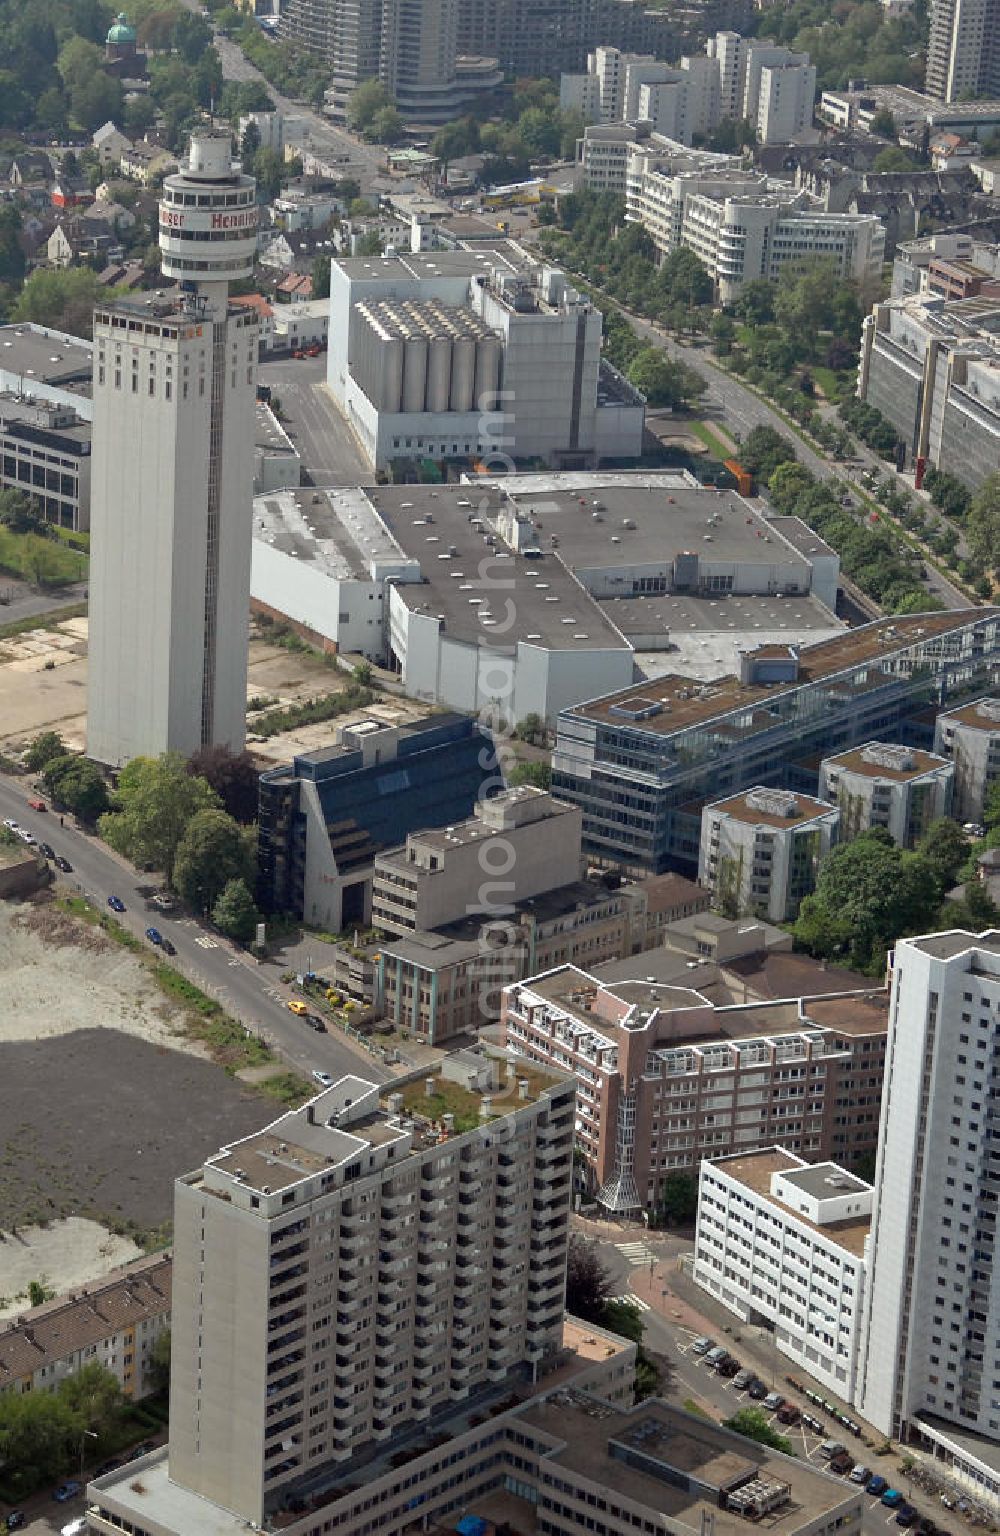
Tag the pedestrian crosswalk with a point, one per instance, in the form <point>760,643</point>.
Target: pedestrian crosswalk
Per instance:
<point>207,943</point>
<point>631,1300</point>
<point>636,1253</point>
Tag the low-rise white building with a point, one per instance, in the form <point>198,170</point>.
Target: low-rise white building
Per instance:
<point>437,877</point>
<point>783,1241</point>
<point>885,785</point>
<point>970,737</point>
<point>739,223</point>
<point>760,850</point>
<point>535,591</point>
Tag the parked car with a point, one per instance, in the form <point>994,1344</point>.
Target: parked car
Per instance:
<point>142,1449</point>
<point>757,1390</point>
<point>63,864</point>
<point>323,1078</point>
<point>841,1464</point>
<point>701,1346</point>
<point>715,1356</point>
<point>742,1380</point>
<point>906,1515</point>
<point>37,805</point>
<point>729,1367</point>
<point>831,1448</point>
<point>27,837</point>
<point>877,1485</point>
<point>47,850</point>
<point>116,904</point>
<point>169,948</point>
<point>788,1414</point>
<point>76,1527</point>
<point>67,1491</point>
<point>15,1519</point>
<point>892,1498</point>
<point>155,936</point>
<point>860,1474</point>
<point>298,1007</point>
<point>773,1401</point>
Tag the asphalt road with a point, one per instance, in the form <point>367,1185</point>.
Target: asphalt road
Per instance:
<point>363,161</point>
<point>251,992</point>
<point>329,450</point>
<point>739,409</point>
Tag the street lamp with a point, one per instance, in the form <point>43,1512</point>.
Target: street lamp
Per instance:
<point>87,1433</point>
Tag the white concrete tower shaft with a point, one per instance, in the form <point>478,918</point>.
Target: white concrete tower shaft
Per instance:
<point>171,523</point>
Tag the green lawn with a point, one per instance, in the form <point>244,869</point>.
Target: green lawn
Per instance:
<point>47,562</point>
<point>832,384</point>
<point>714,444</point>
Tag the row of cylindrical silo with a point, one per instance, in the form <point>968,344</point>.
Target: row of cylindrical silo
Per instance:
<point>423,356</point>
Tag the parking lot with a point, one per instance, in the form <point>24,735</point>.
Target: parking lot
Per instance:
<point>813,1432</point>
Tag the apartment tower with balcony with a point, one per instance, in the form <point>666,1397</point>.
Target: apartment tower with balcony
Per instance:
<point>358,1266</point>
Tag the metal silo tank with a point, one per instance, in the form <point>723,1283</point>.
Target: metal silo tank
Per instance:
<point>487,372</point>
<point>414,372</point>
<point>439,373</point>
<point>463,374</point>
<point>392,374</point>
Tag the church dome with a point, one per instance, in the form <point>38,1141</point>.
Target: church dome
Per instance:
<point>120,31</point>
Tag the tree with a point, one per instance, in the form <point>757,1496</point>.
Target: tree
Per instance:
<point>94,1396</point>
<point>38,1293</point>
<point>140,115</point>
<point>945,848</point>
<point>211,853</point>
<point>893,158</point>
<point>664,383</point>
<point>763,449</point>
<point>78,61</point>
<point>42,749</point>
<point>387,126</point>
<point>755,301</point>
<point>232,775</point>
<point>868,893</point>
<point>321,277</point>
<point>976,911</point>
<point>77,784</point>
<point>270,171</point>
<point>158,1362</point>
<point>155,800</point>
<point>982,524</point>
<point>588,1284</point>
<point>63,298</point>
<point>884,124</point>
<point>991,806</point>
<point>623,1318</point>
<point>235,913</point>
<point>192,36</point>
<point>756,1425</point>
<point>679,1199</point>
<point>368,99</point>
<point>539,774</point>
<point>96,100</point>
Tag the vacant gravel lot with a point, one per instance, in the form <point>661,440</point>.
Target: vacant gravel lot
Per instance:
<point>102,1102</point>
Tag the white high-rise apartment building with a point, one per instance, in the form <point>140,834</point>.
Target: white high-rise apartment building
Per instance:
<point>963,51</point>
<point>931,1351</point>
<point>786,94</point>
<point>171,480</point>
<point>358,1265</point>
